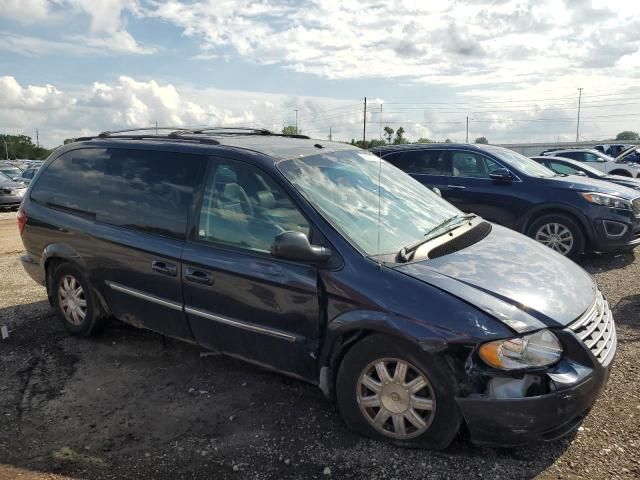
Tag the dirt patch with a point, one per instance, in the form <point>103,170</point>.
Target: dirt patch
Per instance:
<point>128,404</point>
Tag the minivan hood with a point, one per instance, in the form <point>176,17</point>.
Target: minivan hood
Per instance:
<point>585,184</point>
<point>517,280</point>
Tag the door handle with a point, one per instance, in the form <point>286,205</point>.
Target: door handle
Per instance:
<point>456,187</point>
<point>164,268</point>
<point>198,276</point>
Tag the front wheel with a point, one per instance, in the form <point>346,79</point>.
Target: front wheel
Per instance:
<point>390,390</point>
<point>558,232</point>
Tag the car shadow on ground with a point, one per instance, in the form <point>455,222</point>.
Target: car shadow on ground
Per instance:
<point>627,313</point>
<point>131,403</point>
<point>595,262</point>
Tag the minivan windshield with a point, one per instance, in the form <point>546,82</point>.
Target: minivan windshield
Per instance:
<point>520,162</point>
<point>343,187</point>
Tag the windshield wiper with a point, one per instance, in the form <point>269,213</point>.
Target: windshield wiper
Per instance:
<point>405,252</point>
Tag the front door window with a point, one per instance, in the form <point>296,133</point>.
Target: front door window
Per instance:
<point>244,207</point>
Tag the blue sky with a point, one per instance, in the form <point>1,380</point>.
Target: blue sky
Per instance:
<point>72,67</point>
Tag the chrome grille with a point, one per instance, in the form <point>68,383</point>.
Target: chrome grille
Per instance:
<point>636,207</point>
<point>597,330</point>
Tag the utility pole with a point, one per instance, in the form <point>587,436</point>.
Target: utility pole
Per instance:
<point>37,139</point>
<point>330,139</point>
<point>364,125</point>
<point>380,122</point>
<point>296,110</point>
<point>156,127</point>
<point>579,104</point>
<point>6,149</point>
<point>467,129</point>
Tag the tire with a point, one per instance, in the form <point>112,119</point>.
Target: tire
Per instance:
<point>67,299</point>
<point>555,227</point>
<point>622,173</point>
<point>442,421</point>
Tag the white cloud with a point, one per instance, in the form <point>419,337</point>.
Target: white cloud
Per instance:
<point>61,113</point>
<point>131,103</point>
<point>15,10</point>
<point>105,32</point>
<point>451,42</point>
<point>36,98</point>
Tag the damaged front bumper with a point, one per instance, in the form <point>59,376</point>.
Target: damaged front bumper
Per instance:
<point>502,417</point>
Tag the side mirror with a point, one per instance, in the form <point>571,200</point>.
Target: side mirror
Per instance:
<point>501,175</point>
<point>580,173</point>
<point>296,246</point>
<point>437,191</point>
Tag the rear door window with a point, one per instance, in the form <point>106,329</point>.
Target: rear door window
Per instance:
<point>72,181</point>
<point>573,155</point>
<point>421,162</point>
<point>149,190</point>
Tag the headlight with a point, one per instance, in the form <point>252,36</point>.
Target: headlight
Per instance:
<point>607,200</point>
<point>529,351</point>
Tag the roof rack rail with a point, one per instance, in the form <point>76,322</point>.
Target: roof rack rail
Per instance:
<point>182,133</point>
<point>109,133</point>
<point>235,130</point>
<point>169,136</point>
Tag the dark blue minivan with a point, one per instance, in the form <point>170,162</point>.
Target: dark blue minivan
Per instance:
<point>323,262</point>
<point>568,214</point>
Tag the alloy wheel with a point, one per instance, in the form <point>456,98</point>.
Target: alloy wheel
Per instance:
<point>396,398</point>
<point>555,236</point>
<point>72,300</point>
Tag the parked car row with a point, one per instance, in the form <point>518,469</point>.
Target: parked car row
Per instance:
<point>566,166</point>
<point>598,160</point>
<point>570,215</point>
<point>14,176</point>
<point>324,262</point>
<point>11,192</point>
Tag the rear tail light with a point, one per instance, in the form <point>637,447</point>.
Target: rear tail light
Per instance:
<point>22,220</point>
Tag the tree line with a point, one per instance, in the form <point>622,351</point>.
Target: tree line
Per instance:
<point>14,147</point>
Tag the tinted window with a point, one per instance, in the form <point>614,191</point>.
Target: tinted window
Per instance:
<point>149,190</point>
<point>573,155</point>
<point>29,173</point>
<point>469,164</point>
<point>425,162</point>
<point>72,180</point>
<point>562,168</point>
<point>244,207</point>
<point>591,157</point>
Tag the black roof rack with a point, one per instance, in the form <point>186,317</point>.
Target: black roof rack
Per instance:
<point>236,131</point>
<point>188,134</point>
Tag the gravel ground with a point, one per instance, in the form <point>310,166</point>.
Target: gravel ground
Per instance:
<point>128,404</point>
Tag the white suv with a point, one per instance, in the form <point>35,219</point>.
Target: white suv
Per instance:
<point>598,160</point>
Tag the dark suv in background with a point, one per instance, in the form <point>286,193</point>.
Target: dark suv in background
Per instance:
<point>568,215</point>
<point>321,261</point>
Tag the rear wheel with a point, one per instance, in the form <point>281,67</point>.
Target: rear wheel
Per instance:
<point>558,232</point>
<point>390,390</point>
<point>74,302</point>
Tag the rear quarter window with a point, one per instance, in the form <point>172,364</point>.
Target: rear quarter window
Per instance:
<point>72,181</point>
